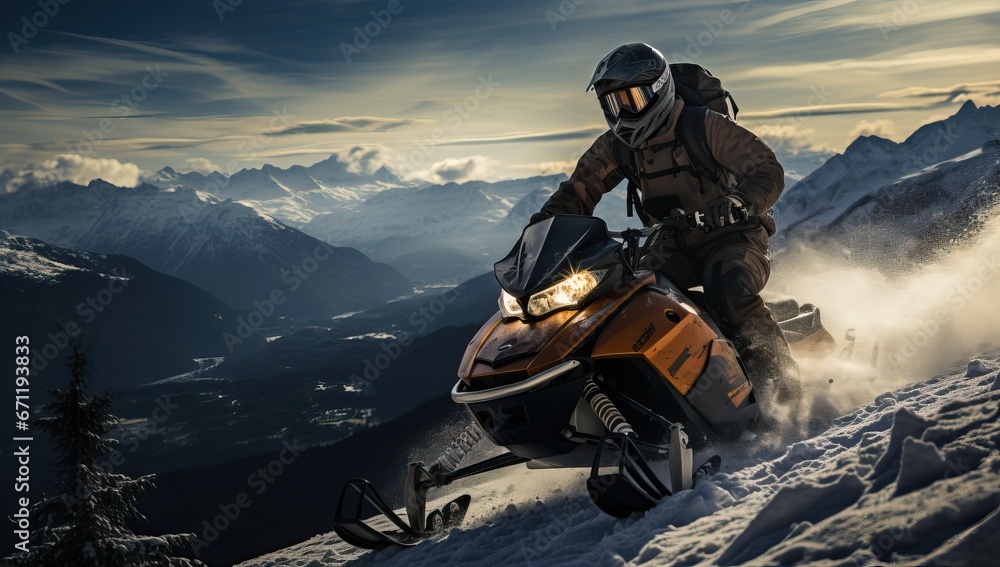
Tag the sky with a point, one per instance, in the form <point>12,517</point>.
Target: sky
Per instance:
<point>455,90</point>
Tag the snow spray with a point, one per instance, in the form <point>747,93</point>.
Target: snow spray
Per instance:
<point>893,329</point>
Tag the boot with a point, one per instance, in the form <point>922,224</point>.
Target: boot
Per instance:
<point>768,359</point>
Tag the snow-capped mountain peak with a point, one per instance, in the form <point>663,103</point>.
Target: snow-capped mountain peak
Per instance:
<point>872,143</point>
<point>852,179</point>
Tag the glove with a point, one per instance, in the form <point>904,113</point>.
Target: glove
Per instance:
<point>539,216</point>
<point>726,211</point>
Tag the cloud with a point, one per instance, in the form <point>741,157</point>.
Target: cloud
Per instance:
<point>800,112</point>
<point>792,14</point>
<point>554,167</point>
<point>363,159</point>
<point>881,128</point>
<point>916,61</point>
<point>201,165</point>
<point>520,137</point>
<point>934,118</point>
<point>77,169</point>
<point>347,124</point>
<point>789,138</point>
<point>458,170</point>
<point>984,92</point>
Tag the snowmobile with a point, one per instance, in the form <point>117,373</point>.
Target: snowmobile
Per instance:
<point>593,360</point>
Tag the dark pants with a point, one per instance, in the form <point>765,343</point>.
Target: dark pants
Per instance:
<point>733,267</point>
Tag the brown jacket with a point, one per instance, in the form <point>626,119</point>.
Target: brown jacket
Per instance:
<point>754,170</point>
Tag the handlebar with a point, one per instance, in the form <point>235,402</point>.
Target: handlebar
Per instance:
<point>679,222</point>
<point>643,232</point>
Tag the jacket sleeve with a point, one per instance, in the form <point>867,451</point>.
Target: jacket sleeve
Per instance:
<point>596,173</point>
<point>760,177</point>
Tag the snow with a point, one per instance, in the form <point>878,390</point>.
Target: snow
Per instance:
<point>911,477</point>
<point>28,258</point>
<point>380,336</point>
<point>871,164</point>
<point>204,365</point>
<point>345,315</point>
<point>30,265</point>
<point>930,168</point>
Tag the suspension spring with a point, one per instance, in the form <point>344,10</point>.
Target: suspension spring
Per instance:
<point>606,410</point>
<point>452,457</point>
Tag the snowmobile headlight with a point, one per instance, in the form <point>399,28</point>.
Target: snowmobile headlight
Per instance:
<point>567,293</point>
<point>508,305</point>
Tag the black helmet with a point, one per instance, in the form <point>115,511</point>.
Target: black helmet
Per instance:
<point>636,91</point>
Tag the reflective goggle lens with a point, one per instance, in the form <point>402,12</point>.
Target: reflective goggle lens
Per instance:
<point>632,99</point>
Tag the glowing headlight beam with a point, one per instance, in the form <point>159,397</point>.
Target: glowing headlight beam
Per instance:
<point>508,305</point>
<point>567,293</point>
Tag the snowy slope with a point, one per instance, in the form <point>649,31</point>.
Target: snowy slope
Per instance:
<point>920,214</point>
<point>871,162</point>
<point>912,477</point>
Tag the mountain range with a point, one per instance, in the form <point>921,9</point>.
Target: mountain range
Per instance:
<point>241,255</point>
<point>141,324</point>
<point>881,200</point>
<point>294,195</point>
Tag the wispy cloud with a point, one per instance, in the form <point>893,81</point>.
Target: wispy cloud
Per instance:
<point>855,16</point>
<point>810,9</point>
<point>927,60</point>
<point>149,48</point>
<point>25,102</point>
<point>348,124</point>
<point>954,93</point>
<point>522,137</point>
<point>226,77</point>
<point>839,109</point>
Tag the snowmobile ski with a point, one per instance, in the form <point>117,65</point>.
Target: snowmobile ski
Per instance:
<point>633,487</point>
<point>708,469</point>
<point>355,528</point>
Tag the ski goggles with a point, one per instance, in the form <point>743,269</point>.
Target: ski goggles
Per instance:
<point>630,100</point>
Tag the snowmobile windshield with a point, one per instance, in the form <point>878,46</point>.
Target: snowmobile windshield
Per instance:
<point>551,250</point>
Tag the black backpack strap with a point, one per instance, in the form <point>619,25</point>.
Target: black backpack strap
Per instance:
<point>695,139</point>
<point>732,103</point>
<point>625,159</point>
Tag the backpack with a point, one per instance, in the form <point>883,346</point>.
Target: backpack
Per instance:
<point>701,93</point>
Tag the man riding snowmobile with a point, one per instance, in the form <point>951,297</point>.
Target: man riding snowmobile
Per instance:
<point>593,360</point>
<point>647,121</point>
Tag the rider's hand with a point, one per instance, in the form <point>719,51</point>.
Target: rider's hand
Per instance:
<point>725,211</point>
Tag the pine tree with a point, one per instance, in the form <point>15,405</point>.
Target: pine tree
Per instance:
<point>85,524</point>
